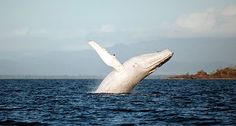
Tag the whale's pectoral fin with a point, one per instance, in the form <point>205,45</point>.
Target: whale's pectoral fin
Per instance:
<point>109,59</point>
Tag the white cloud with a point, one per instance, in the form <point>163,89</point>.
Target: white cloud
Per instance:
<point>21,38</point>
<point>198,22</point>
<point>57,33</point>
<point>230,11</point>
<point>108,28</point>
<point>21,31</point>
<point>209,23</point>
<point>44,33</point>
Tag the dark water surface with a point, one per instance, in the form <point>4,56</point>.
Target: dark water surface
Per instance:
<point>153,102</point>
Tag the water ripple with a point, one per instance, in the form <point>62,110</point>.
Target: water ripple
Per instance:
<point>153,102</point>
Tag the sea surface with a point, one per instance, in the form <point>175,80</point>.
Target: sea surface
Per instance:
<point>152,102</point>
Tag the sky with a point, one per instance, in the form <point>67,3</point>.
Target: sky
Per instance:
<point>50,37</point>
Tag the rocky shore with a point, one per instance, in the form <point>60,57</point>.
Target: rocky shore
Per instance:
<point>225,73</point>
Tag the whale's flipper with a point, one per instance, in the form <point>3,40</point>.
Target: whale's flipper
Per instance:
<point>109,59</point>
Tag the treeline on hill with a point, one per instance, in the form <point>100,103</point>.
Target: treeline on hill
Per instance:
<point>225,73</point>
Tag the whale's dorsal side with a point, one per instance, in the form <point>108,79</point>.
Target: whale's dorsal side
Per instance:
<point>108,59</point>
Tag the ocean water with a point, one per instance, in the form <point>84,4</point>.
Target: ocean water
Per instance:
<point>152,102</point>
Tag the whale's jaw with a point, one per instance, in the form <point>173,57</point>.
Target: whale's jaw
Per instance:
<point>126,76</point>
<point>152,61</point>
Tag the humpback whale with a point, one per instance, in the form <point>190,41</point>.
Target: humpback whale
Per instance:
<point>126,76</point>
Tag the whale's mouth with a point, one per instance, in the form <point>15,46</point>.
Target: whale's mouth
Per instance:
<point>165,60</point>
<point>160,62</point>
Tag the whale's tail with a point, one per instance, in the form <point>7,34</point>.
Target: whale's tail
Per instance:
<point>108,59</point>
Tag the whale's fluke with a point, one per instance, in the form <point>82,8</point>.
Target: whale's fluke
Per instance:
<point>108,59</point>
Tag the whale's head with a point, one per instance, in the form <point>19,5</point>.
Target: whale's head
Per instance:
<point>149,62</point>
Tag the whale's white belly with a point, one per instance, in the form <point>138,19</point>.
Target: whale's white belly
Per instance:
<point>118,82</point>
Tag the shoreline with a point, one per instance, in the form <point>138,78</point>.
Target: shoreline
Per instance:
<point>176,78</point>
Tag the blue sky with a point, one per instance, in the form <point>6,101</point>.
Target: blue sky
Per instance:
<point>33,33</point>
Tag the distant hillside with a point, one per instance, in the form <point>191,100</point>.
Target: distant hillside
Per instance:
<point>225,73</point>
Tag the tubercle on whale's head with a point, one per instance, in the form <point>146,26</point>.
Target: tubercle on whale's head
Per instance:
<point>151,61</point>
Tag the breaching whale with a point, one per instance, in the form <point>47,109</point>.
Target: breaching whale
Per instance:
<point>126,76</point>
